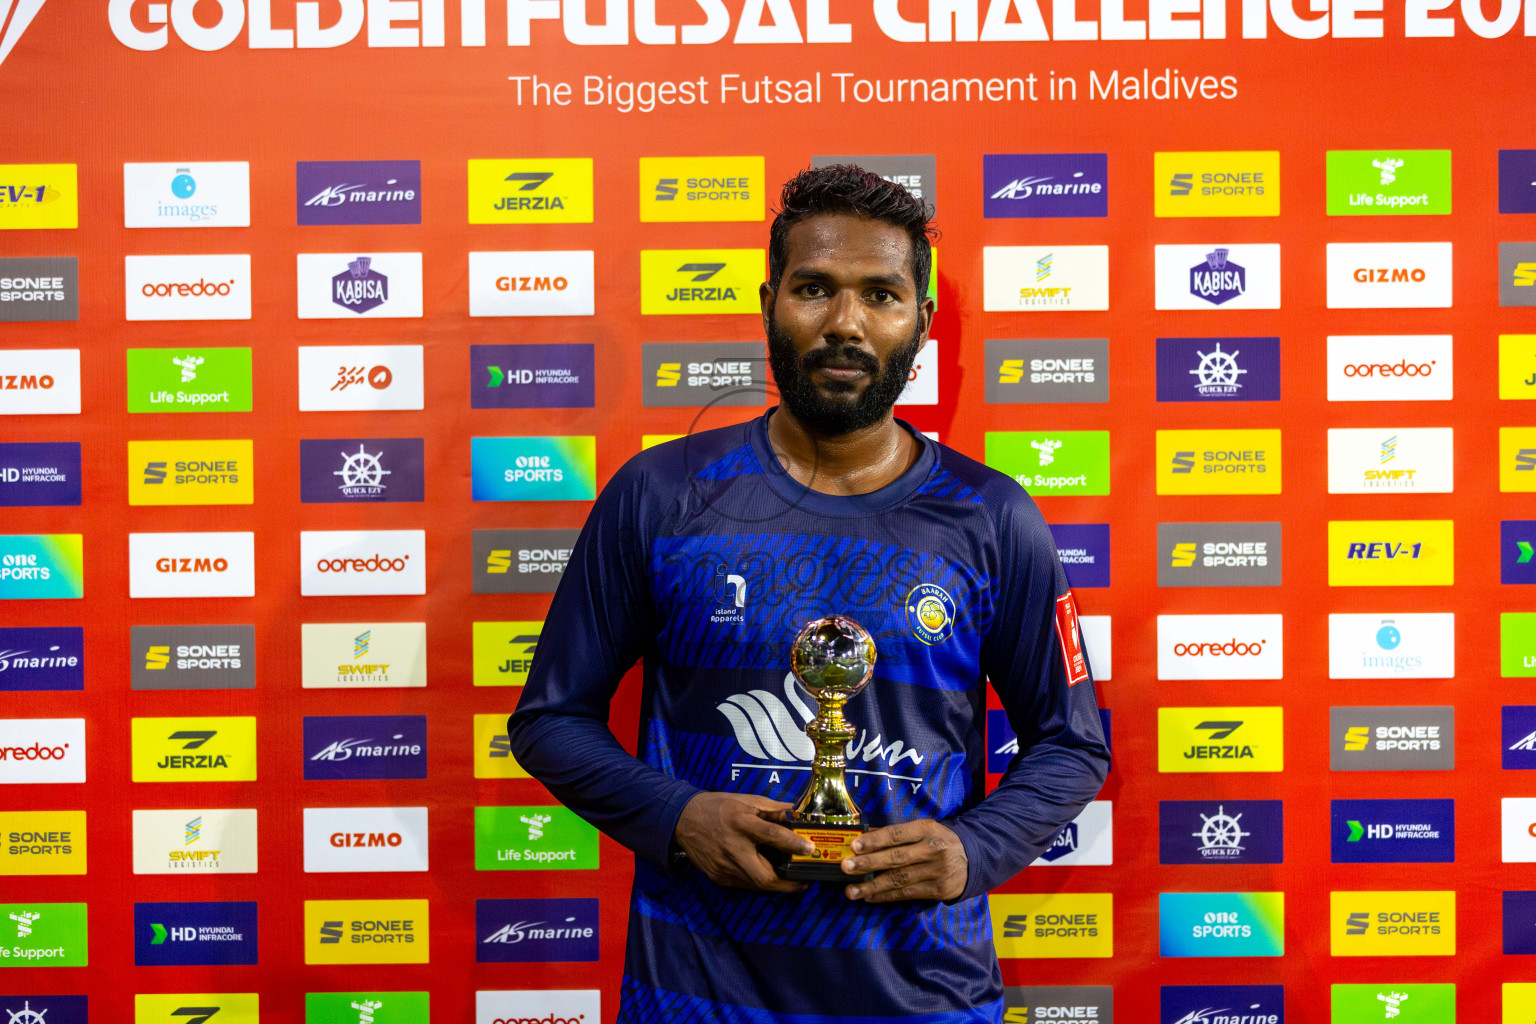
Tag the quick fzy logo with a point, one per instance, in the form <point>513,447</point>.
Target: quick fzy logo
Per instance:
<point>1220,647</point>
<point>1220,739</point>
<point>203,287</point>
<point>342,839</point>
<point>1392,923</point>
<point>361,470</point>
<point>221,749</point>
<point>530,191</point>
<point>1221,832</point>
<point>343,562</point>
<point>1218,369</point>
<point>366,932</point>
<point>191,565</point>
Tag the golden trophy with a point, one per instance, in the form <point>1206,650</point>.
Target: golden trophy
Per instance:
<point>833,658</point>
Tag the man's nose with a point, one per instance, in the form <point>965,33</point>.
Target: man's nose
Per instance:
<point>845,317</point>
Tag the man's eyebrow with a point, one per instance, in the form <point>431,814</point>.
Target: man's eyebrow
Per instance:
<point>883,280</point>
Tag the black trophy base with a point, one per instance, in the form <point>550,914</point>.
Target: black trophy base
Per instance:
<point>825,862</point>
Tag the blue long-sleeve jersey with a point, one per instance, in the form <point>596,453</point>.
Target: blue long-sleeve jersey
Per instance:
<point>703,559</point>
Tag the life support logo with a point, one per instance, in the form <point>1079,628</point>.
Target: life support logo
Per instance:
<point>930,613</point>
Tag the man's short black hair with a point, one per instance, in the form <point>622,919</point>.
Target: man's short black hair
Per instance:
<point>844,188</point>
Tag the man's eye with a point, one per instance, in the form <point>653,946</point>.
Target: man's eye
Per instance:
<point>812,289</point>
<point>881,295</point>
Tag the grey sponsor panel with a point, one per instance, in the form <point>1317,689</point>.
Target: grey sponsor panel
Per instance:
<point>39,288</point>
<point>521,561</point>
<point>1517,273</point>
<point>918,173</point>
<point>1047,370</point>
<point>689,373</point>
<point>193,657</point>
<point>1218,555</point>
<point>1059,1002</point>
<point>1385,739</point>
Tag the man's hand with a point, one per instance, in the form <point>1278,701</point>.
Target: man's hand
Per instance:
<point>721,832</point>
<point>915,860</point>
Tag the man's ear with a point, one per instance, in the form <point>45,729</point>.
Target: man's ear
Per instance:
<point>766,293</point>
<point>926,312</point>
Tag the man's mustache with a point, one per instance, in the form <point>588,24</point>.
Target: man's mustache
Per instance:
<point>839,357</point>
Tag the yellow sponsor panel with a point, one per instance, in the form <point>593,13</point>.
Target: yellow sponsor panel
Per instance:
<point>696,281</point>
<point>652,440</point>
<point>1391,553</point>
<point>1517,458</point>
<point>42,843</point>
<point>1053,924</point>
<point>1411,923</point>
<point>172,1007</point>
<point>702,188</point>
<point>191,473</point>
<point>1219,184</point>
<point>1218,462</point>
<point>39,196</point>
<point>194,749</point>
<point>530,191</point>
<point>1519,1002</point>
<point>1517,366</point>
<point>493,751</point>
<point>366,932</point>
<point>503,651</point>
<point>1221,739</point>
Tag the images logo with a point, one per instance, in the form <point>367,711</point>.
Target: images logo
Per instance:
<point>1221,923</point>
<point>200,195</point>
<point>347,378</point>
<point>1389,275</point>
<point>530,191</point>
<point>1220,647</point>
<point>1083,550</point>
<point>203,287</point>
<point>703,188</point>
<point>346,286</point>
<point>536,931</point>
<point>533,468</point>
<point>1217,276</point>
<point>43,935</point>
<point>359,192</point>
<point>1392,646</point>
<point>1230,184</point>
<point>41,565</point>
<point>1401,459</point>
<point>1517,181</point>
<point>917,174</point>
<point>542,283</point>
<point>1022,278</point>
<point>1035,1003</point>
<point>503,652</point>
<point>185,934</point>
<point>1218,369</point>
<point>190,473</point>
<point>1402,181</point>
<point>1089,839</point>
<point>701,281</point>
<point>345,562</point>
<point>39,382</point>
<point>366,932</point>
<point>1220,739</point>
<point>1221,832</point>
<point>191,565</point>
<point>189,380</point>
<point>42,843</point>
<point>192,657</point>
<point>194,749</point>
<point>1365,739</point>
<point>520,561</point>
<point>1219,554</point>
<point>39,474</point>
<point>1218,462</point>
<point>187,842</point>
<point>1069,924</point>
<point>1222,1004</point>
<point>1047,371</point>
<point>35,195</point>
<point>1058,462</point>
<point>1394,831</point>
<point>42,658</point>
<point>1045,185</point>
<point>1392,923</point>
<point>42,750</point>
<point>38,289</point>
<point>356,655</point>
<point>1395,552</point>
<point>341,839</point>
<point>709,374</point>
<point>365,747</point>
<point>533,839</point>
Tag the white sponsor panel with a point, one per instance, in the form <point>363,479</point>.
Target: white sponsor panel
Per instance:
<point>187,195</point>
<point>532,1006</point>
<point>191,565</point>
<point>1389,275</point>
<point>351,378</point>
<point>923,381</point>
<point>346,562</point>
<point>1403,460</point>
<point>37,750</point>
<point>1031,278</point>
<point>39,381</point>
<point>1088,841</point>
<point>542,283</point>
<point>353,286</point>
<point>1419,645</point>
<point>1220,646</point>
<point>1389,368</point>
<point>1096,644</point>
<point>203,287</point>
<point>358,655</point>
<point>365,839</point>
<point>1519,829</point>
<point>218,841</point>
<point>1221,275</point>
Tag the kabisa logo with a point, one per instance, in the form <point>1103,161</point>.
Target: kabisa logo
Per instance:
<point>1221,924</point>
<point>530,191</point>
<point>342,839</point>
<point>42,750</point>
<point>343,562</point>
<point>356,655</point>
<point>346,286</point>
<point>35,195</point>
<point>360,288</point>
<point>200,195</point>
<point>1393,831</point>
<point>39,474</point>
<point>1045,185</point>
<point>186,934</point>
<point>40,382</point>
<point>1220,646</point>
<point>1401,181</point>
<point>1034,925</point>
<point>1035,1004</point>
<point>700,281</point>
<point>194,749</point>
<point>701,188</point>
<point>365,747</point>
<point>36,289</point>
<point>1089,839</point>
<point>520,561</point>
<point>533,839</point>
<point>1219,554</point>
<point>358,192</point>
<point>503,651</point>
<point>1217,279</point>
<point>366,932</point>
<point>1216,276</point>
<point>917,174</point>
<point>1217,184</point>
<point>1220,739</point>
<point>1397,646</point>
<point>1221,832</point>
<point>1047,370</point>
<point>1388,368</point>
<point>1389,275</point>
<point>45,1009</point>
<point>1020,278</point>
<point>1222,1004</point>
<point>1202,370</point>
<point>181,842</point>
<point>361,470</point>
<point>43,934</point>
<point>42,565</point>
<point>533,468</point>
<point>1363,739</point>
<point>192,657</point>
<point>532,283</point>
<point>531,376</point>
<point>1073,461</point>
<point>690,373</point>
<point>536,931</point>
<point>1392,923</point>
<point>42,658</point>
<point>1083,550</point>
<point>201,287</point>
<point>1219,462</point>
<point>42,843</point>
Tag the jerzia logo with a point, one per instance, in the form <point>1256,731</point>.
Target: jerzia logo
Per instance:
<point>1214,739</point>
<point>530,191</point>
<point>682,281</point>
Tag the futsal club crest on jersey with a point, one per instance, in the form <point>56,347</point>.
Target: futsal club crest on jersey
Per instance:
<point>930,613</point>
<point>1070,637</point>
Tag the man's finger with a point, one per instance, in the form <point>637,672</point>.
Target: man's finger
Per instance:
<point>899,880</point>
<point>762,876</point>
<point>893,857</point>
<point>762,803</point>
<point>776,836</point>
<point>883,838</point>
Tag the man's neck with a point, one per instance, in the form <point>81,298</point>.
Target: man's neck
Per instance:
<point>854,463</point>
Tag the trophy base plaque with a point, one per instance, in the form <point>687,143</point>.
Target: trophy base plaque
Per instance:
<point>825,862</point>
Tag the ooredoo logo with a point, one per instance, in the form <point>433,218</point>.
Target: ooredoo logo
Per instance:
<point>1220,646</point>
<point>1389,368</point>
<point>1389,275</point>
<point>203,287</point>
<point>548,1006</point>
<point>191,565</point>
<point>340,562</point>
<point>42,750</point>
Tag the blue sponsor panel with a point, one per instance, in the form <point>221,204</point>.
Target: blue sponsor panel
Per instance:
<point>348,470</point>
<point>1218,370</point>
<point>359,192</point>
<point>531,376</point>
<point>1210,1004</point>
<point>36,658</point>
<point>187,934</point>
<point>1517,181</point>
<point>1517,551</point>
<point>1519,922</point>
<point>38,1009</point>
<point>1393,831</point>
<point>1002,744</point>
<point>40,474</point>
<point>1221,832</point>
<point>1518,730</point>
<point>1045,184</point>
<point>1084,552</point>
<point>365,747</point>
<point>535,931</point>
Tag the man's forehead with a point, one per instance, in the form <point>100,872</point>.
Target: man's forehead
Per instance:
<point>848,244</point>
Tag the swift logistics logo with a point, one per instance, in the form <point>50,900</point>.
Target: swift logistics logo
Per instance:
<point>1378,923</point>
<point>367,1007</point>
<point>39,289</point>
<point>1389,275</point>
<point>534,283</point>
<point>1399,645</point>
<point>1391,553</point>
<point>1030,371</point>
<point>359,655</point>
<point>42,474</point>
<point>1391,459</point>
<point>39,382</point>
<point>1048,925</point>
<point>1380,739</point>
<point>531,191</point>
<point>361,470</point>
<point>367,932</point>
<point>1391,181</point>
<point>1221,832</point>
<point>493,749</point>
<point>1517,367</point>
<point>42,566</point>
<point>194,842</point>
<point>533,838</point>
<point>702,188</point>
<point>35,196</point>
<point>197,1008</point>
<point>1390,368</point>
<point>1518,736</point>
<point>346,839</point>
<point>503,651</point>
<point>217,749</point>
<point>533,468</point>
<point>531,376</point>
<point>348,562</point>
<point>188,934</point>
<point>1222,1004</point>
<point>330,192</point>
<point>1517,273</point>
<point>39,658</point>
<point>191,565</point>
<point>1398,1001</point>
<point>520,561</point>
<point>189,380</point>
<point>187,195</point>
<point>1201,370</point>
<point>192,657</point>
<point>354,378</point>
<point>1035,1004</point>
<point>700,281</point>
<point>1219,554</point>
<point>1517,459</point>
<point>42,843</point>
<point>1220,739</point>
<point>1045,185</point>
<point>1220,647</point>
<point>1088,839</point>
<point>43,935</point>
<point>1517,551</point>
<point>1393,831</point>
<point>1029,278</point>
<point>1216,276</point>
<point>1224,924</point>
<point>690,373</point>
<point>191,472</point>
<point>1052,462</point>
<point>1218,462</point>
<point>1216,184</point>
<point>347,286</point>
<point>42,750</point>
<point>203,287</point>
<point>365,747</point>
<point>1083,550</point>
<point>536,931</point>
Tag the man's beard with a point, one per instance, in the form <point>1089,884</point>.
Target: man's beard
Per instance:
<point>825,413</point>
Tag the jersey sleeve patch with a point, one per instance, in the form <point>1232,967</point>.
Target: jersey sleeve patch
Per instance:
<point>1070,639</point>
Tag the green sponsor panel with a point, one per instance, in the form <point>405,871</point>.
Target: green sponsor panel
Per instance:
<point>189,380</point>
<point>1517,644</point>
<point>533,839</point>
<point>1052,461</point>
<point>42,935</point>
<point>366,1008</point>
<point>1388,182</point>
<point>1400,1003</point>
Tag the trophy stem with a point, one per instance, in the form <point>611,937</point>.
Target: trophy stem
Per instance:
<point>826,800</point>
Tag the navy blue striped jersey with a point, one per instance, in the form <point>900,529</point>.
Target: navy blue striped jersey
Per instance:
<point>702,558</point>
